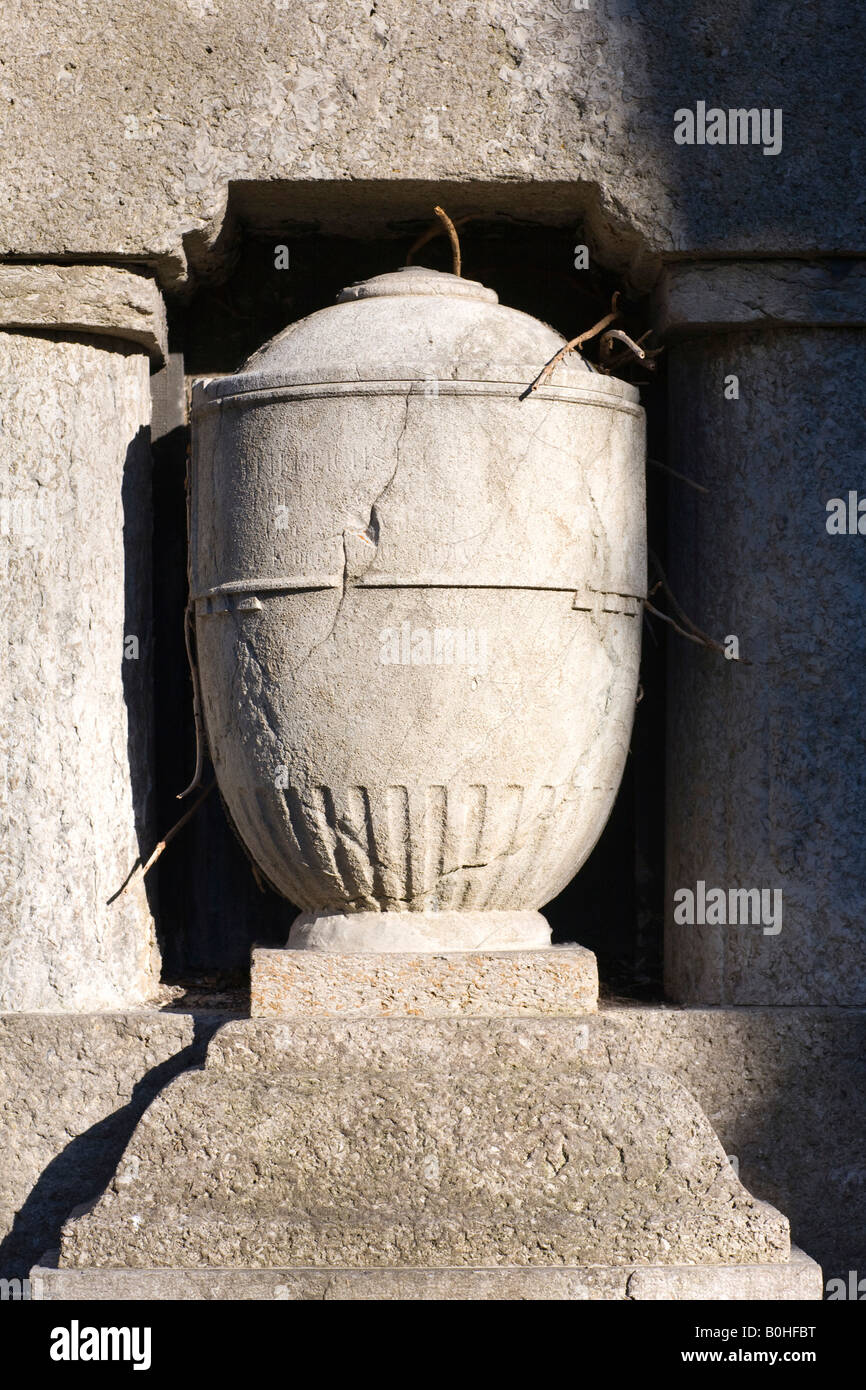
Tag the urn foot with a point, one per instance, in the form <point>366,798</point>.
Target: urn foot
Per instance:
<point>419,931</point>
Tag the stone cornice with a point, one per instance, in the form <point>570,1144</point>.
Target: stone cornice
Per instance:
<point>98,299</point>
<point>696,297</point>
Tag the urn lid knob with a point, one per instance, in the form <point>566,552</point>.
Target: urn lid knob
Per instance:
<point>414,280</point>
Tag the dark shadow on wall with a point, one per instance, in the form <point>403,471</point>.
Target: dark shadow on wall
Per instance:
<point>799,1144</point>
<point>82,1171</point>
<point>136,658</point>
<point>731,199</point>
<point>798,1129</point>
<point>615,903</point>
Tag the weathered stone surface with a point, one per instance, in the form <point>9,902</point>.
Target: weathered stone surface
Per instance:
<point>766,781</point>
<point>93,299</point>
<point>75,744</point>
<point>72,1087</point>
<point>309,984</point>
<point>783,1088</point>
<point>797,1278</point>
<point>122,141</point>
<point>420,1142</point>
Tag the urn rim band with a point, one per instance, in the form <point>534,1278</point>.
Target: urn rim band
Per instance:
<point>262,388</point>
<point>586,597</point>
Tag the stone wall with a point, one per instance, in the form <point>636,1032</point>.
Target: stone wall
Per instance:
<point>124,140</point>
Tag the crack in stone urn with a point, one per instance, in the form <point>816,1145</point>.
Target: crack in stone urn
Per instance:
<point>417,613</point>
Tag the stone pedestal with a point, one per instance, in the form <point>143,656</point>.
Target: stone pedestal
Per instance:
<point>508,984</point>
<point>766,777</point>
<point>75,575</point>
<point>423,1158</point>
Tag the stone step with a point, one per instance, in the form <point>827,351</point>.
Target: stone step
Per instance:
<point>798,1278</point>
<point>421,1142</point>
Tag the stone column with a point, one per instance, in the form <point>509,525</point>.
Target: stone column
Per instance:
<point>766,773</point>
<point>75,577</point>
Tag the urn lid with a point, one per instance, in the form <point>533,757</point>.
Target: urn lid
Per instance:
<point>417,279</point>
<point>415,325</point>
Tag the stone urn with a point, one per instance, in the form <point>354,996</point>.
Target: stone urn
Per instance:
<point>417,595</point>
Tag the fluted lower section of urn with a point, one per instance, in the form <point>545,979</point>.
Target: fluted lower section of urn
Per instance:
<point>419,849</point>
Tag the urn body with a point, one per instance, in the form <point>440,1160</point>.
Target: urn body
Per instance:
<point>417,610</point>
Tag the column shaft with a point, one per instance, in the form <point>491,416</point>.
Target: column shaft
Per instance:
<point>766,776</point>
<point>75,576</point>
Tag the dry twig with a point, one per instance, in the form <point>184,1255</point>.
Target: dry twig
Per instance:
<point>606,344</point>
<point>452,233</point>
<point>198,719</point>
<point>573,346</point>
<point>138,867</point>
<point>609,363</point>
<point>699,487</point>
<point>435,229</point>
<point>701,639</point>
<point>690,631</point>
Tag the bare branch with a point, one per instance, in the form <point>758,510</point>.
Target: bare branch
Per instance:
<point>610,363</point>
<point>142,869</point>
<point>699,487</point>
<point>435,229</point>
<point>690,631</point>
<point>196,703</point>
<point>607,341</point>
<point>452,233</point>
<point>702,640</point>
<point>573,346</point>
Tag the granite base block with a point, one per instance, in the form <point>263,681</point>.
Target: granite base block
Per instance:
<point>557,980</point>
